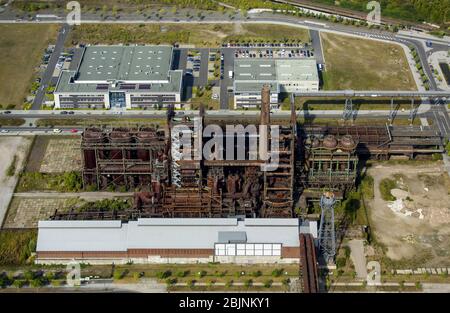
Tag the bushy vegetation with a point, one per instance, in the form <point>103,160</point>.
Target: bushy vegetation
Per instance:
<point>367,187</point>
<point>105,205</point>
<point>447,147</point>
<point>386,185</point>
<point>260,4</point>
<point>16,246</point>
<point>10,171</point>
<point>435,11</point>
<point>65,182</point>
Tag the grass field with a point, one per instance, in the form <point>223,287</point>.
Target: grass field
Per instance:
<point>200,35</point>
<point>99,121</point>
<point>21,47</point>
<point>360,64</point>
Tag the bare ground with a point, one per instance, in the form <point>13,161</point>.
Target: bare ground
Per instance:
<point>10,147</point>
<point>426,189</point>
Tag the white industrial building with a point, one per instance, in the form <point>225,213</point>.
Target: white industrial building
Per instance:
<point>282,75</point>
<point>120,76</point>
<point>172,240</point>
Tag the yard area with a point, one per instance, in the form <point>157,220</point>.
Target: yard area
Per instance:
<point>21,47</point>
<point>360,64</point>
<point>200,35</point>
<point>410,214</point>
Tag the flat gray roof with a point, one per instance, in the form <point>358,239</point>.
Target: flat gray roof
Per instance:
<point>137,67</point>
<point>125,63</point>
<point>67,85</point>
<point>162,233</point>
<point>252,74</point>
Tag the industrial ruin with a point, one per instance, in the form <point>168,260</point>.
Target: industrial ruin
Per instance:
<point>311,159</point>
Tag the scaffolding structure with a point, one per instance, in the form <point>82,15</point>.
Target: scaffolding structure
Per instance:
<point>327,236</point>
<point>123,157</point>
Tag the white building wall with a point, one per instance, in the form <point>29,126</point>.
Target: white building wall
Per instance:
<point>128,101</point>
<point>107,103</point>
<point>57,103</point>
<point>299,86</point>
<point>239,100</point>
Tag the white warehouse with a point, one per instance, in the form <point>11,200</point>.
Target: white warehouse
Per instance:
<point>120,76</point>
<point>283,76</point>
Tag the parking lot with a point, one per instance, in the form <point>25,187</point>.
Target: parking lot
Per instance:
<point>203,66</point>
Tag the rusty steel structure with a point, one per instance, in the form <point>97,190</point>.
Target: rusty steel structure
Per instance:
<point>308,265</point>
<point>176,179</point>
<point>123,157</point>
<point>384,142</point>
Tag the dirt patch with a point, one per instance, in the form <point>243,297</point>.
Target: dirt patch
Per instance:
<point>12,148</point>
<point>417,223</point>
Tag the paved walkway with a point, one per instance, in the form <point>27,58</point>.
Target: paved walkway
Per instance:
<point>358,257</point>
<point>84,195</point>
<point>435,288</point>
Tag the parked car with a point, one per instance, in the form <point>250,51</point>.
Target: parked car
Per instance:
<point>57,130</point>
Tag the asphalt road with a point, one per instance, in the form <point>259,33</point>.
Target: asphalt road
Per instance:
<point>226,82</point>
<point>9,16</point>
<point>317,46</point>
<point>46,78</point>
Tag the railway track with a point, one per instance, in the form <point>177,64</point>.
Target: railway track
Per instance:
<point>308,264</point>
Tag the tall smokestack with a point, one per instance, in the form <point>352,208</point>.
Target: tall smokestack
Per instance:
<point>265,105</point>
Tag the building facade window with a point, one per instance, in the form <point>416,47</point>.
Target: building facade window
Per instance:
<point>249,249</point>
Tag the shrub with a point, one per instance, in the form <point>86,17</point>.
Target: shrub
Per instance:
<point>11,170</point>
<point>163,275</point>
<point>182,273</point>
<point>119,274</point>
<point>4,280</point>
<point>221,274</point>
<point>268,283</point>
<point>341,262</point>
<point>18,283</point>
<point>256,274</point>
<point>248,283</point>
<point>277,272</point>
<point>386,185</point>
<point>201,274</point>
<point>191,283</point>
<point>437,156</point>
<point>29,275</point>
<point>171,281</point>
<point>39,282</point>
<point>347,251</point>
<point>136,275</point>
<point>286,282</point>
<point>50,275</point>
